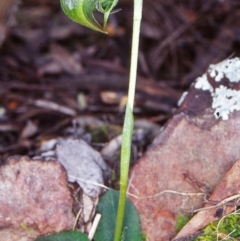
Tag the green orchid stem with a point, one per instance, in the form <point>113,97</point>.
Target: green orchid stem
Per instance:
<point>128,121</point>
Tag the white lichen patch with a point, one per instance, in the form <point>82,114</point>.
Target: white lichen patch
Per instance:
<point>225,101</point>
<point>229,68</point>
<point>182,98</point>
<point>71,4</point>
<point>202,83</point>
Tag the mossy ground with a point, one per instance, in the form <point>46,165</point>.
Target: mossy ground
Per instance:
<point>227,228</point>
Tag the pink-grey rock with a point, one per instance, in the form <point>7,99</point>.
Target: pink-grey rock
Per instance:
<point>34,199</point>
<point>191,154</point>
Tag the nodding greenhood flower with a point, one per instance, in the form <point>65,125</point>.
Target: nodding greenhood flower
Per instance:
<point>81,11</point>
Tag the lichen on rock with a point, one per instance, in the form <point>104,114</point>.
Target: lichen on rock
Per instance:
<point>222,81</point>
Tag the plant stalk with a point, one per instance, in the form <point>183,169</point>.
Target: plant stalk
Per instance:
<point>128,120</point>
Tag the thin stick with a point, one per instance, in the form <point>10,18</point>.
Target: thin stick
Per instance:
<point>94,226</point>
<point>76,219</point>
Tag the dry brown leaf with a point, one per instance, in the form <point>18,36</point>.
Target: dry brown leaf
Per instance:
<point>83,164</point>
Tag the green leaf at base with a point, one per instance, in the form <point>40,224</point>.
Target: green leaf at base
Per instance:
<point>107,207</point>
<point>65,236</point>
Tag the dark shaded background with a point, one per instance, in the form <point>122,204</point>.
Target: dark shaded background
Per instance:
<point>53,71</point>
